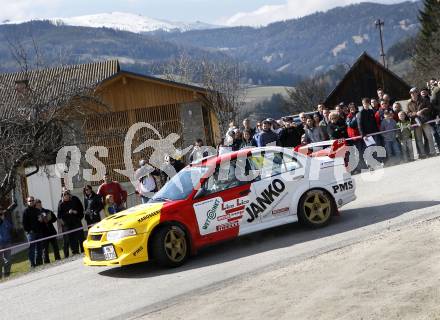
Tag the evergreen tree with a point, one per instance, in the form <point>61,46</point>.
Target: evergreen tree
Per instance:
<point>426,63</point>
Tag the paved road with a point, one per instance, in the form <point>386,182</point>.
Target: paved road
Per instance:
<point>404,194</point>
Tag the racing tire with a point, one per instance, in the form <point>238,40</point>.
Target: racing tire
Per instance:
<point>170,246</point>
<point>316,208</point>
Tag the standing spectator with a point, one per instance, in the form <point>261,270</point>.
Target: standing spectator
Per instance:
<point>32,225</point>
<point>312,133</point>
<point>93,205</point>
<point>290,135</point>
<point>397,107</point>
<point>5,242</point>
<point>247,126</point>
<point>351,121</point>
<point>48,230</point>
<point>257,127</point>
<point>71,212</point>
<point>374,105</point>
<point>366,119</point>
<point>110,207</point>
<point>237,140</point>
<point>405,136</point>
<point>340,111</point>
<point>248,141</point>
<point>380,93</point>
<point>113,188</point>
<point>267,136</point>
<point>419,112</point>
<point>387,98</point>
<point>337,128</point>
<point>324,122</point>
<point>367,125</point>
<point>197,152</point>
<point>391,145</point>
<point>380,114</point>
<point>435,109</point>
<point>320,111</point>
<point>303,118</point>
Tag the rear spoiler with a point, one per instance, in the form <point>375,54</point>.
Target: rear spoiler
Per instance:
<point>329,148</point>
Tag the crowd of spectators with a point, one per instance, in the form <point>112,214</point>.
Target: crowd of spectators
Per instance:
<point>379,117</point>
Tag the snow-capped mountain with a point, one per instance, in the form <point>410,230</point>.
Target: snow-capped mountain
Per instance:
<point>126,22</point>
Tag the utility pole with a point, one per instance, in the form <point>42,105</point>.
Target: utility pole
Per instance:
<point>379,24</point>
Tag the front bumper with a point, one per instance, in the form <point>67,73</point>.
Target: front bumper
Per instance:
<point>128,250</point>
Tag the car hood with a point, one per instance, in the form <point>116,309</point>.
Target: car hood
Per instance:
<point>129,218</point>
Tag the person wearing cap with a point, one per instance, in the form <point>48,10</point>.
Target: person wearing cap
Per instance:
<point>290,135</point>
<point>419,112</point>
<point>267,136</point>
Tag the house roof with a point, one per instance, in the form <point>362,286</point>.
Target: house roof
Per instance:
<point>365,57</point>
<point>81,75</point>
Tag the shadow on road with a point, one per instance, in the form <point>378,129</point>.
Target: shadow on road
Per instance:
<point>275,238</point>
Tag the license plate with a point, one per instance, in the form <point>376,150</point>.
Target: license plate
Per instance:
<point>109,252</point>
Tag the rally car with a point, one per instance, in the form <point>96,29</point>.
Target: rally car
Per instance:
<point>220,198</point>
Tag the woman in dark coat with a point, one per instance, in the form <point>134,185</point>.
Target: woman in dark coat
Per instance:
<point>92,205</point>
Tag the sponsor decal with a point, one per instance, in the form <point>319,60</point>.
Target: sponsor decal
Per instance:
<point>228,225</point>
<point>280,210</point>
<point>138,250</point>
<point>266,198</point>
<point>343,187</point>
<point>148,216</point>
<point>211,214</point>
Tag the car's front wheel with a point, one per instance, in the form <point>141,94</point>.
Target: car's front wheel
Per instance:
<point>170,246</point>
<point>315,208</point>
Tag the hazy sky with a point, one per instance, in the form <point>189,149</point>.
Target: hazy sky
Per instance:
<point>228,12</point>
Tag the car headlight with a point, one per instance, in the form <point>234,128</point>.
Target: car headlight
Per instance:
<point>119,234</point>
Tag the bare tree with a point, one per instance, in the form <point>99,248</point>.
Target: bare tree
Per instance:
<point>306,95</point>
<point>224,94</point>
<point>40,112</point>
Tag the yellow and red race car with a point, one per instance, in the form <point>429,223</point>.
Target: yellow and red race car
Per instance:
<point>221,198</point>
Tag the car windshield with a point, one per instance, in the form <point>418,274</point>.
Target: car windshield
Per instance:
<point>181,185</point>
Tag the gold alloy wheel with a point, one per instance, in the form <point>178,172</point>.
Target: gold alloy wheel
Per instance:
<point>317,207</point>
<point>175,245</point>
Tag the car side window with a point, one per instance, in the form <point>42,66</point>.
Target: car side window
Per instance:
<point>273,163</point>
<point>223,178</point>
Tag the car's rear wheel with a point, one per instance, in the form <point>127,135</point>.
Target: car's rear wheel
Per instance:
<point>170,246</point>
<point>315,208</point>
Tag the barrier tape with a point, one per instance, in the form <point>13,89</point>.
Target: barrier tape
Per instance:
<point>43,239</point>
<point>330,142</point>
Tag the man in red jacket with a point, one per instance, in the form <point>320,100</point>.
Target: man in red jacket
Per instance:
<point>115,189</point>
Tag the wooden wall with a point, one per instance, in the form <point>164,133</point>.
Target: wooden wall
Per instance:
<point>132,100</point>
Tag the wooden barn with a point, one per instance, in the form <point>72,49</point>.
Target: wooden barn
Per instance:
<point>363,79</point>
<point>168,106</point>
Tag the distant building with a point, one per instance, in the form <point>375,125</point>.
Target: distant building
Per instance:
<point>363,79</point>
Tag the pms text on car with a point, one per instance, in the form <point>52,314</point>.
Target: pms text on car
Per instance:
<point>220,198</point>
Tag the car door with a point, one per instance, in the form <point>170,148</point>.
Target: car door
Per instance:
<point>274,188</point>
<point>220,204</point>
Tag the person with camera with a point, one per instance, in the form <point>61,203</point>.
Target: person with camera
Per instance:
<point>419,112</point>
<point>93,205</point>
<point>5,242</point>
<point>33,226</point>
<point>71,212</point>
<point>48,230</point>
